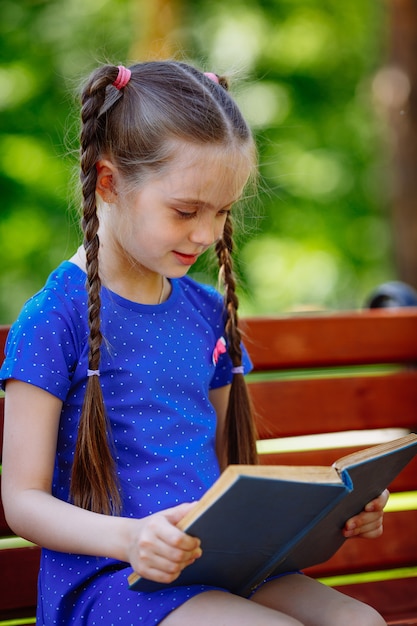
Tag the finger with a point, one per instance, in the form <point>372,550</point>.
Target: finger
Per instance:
<point>369,526</point>
<point>160,538</point>
<point>363,518</point>
<point>177,539</point>
<point>162,526</point>
<point>159,569</point>
<point>163,539</point>
<point>379,503</point>
<point>180,538</point>
<point>176,513</point>
<point>163,563</point>
<point>372,533</point>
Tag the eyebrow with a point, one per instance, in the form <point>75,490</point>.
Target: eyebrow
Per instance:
<point>201,204</point>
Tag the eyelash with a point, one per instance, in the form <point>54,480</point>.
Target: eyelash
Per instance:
<point>184,215</point>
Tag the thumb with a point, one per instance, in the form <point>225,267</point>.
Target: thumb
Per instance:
<point>176,513</point>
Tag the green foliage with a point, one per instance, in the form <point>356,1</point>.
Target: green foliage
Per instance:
<point>323,239</point>
<point>48,47</point>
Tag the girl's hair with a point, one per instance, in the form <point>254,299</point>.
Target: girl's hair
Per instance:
<point>136,128</point>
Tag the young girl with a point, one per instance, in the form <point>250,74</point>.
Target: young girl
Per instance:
<point>121,406</point>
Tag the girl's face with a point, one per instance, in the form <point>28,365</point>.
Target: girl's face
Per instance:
<point>172,219</point>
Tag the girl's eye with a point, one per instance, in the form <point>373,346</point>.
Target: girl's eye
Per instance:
<point>186,215</point>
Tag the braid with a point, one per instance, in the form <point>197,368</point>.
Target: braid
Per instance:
<point>93,481</point>
<point>133,127</point>
<point>224,253</point>
<point>239,427</point>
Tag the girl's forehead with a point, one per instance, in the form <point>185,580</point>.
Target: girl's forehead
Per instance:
<point>205,165</point>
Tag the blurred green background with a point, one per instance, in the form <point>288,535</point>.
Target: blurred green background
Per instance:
<point>317,235</point>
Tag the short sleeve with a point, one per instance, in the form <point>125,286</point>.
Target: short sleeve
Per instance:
<point>223,373</point>
<point>41,348</point>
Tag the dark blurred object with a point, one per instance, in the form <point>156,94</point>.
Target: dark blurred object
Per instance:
<point>391,295</point>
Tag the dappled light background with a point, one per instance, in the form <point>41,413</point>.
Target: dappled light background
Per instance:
<point>307,74</point>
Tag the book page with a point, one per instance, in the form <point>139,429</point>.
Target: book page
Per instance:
<point>291,473</point>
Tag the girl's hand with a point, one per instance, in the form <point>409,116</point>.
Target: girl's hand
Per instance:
<point>368,524</point>
<point>159,551</point>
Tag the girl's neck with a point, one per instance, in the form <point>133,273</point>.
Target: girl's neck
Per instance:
<point>143,288</point>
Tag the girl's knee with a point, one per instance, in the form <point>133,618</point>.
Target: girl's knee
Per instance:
<point>361,615</point>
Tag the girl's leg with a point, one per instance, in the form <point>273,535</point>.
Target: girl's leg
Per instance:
<point>314,604</point>
<point>217,608</point>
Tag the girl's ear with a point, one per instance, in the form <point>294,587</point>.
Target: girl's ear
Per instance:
<point>106,181</point>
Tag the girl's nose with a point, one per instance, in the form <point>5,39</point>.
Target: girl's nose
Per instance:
<point>205,231</point>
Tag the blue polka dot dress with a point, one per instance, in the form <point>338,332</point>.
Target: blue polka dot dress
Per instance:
<point>156,370</point>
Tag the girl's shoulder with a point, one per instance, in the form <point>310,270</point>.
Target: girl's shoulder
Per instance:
<point>66,281</point>
<point>44,342</point>
<point>62,297</point>
<point>200,294</point>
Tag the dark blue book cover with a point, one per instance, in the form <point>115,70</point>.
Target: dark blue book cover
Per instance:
<point>261,520</point>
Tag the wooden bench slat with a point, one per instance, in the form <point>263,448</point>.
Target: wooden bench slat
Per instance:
<point>19,572</point>
<point>396,548</point>
<point>349,400</point>
<point>5,530</point>
<point>354,338</point>
<point>23,617</point>
<point>394,599</point>
<point>288,408</point>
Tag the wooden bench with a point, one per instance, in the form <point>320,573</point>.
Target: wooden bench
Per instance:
<point>352,374</point>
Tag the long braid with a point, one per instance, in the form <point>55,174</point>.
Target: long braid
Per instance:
<point>93,482</point>
<point>240,430</point>
<point>134,127</point>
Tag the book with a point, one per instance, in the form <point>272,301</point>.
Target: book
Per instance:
<point>259,521</point>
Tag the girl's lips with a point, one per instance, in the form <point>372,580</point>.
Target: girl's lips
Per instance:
<point>186,259</point>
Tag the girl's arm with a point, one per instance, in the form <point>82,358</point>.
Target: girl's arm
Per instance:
<point>220,399</point>
<point>153,545</point>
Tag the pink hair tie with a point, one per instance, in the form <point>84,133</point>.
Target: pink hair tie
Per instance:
<point>123,77</point>
<point>212,77</point>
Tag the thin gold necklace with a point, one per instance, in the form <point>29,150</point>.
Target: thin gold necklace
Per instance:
<point>162,290</point>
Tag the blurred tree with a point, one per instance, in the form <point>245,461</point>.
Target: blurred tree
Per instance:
<point>160,35</point>
<point>47,46</point>
<point>309,67</point>
<point>323,237</point>
<point>396,91</point>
